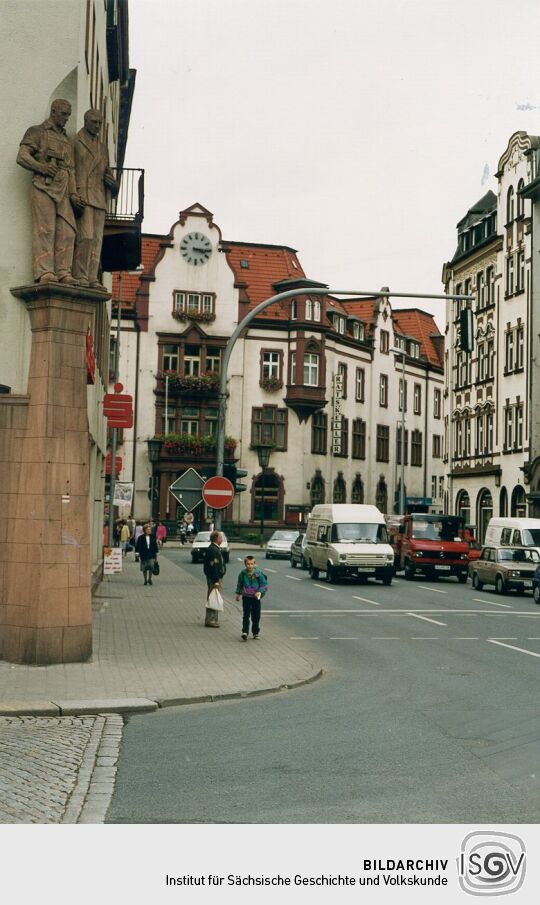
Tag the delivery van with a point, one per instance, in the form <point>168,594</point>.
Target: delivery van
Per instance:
<point>348,540</point>
<point>515,532</point>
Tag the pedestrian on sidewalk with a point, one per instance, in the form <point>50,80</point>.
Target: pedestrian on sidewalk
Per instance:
<point>252,585</point>
<point>161,533</point>
<point>214,569</point>
<point>139,529</point>
<point>147,551</point>
<point>124,538</point>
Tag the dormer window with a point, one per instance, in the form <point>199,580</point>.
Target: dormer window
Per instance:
<point>414,350</point>
<point>399,343</point>
<point>358,331</point>
<point>339,324</point>
<point>244,264</point>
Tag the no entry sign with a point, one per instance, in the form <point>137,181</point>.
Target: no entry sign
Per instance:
<point>218,492</point>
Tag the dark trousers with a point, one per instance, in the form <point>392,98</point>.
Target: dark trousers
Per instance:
<point>252,610</point>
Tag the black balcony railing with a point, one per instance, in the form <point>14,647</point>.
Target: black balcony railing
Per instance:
<point>128,206</point>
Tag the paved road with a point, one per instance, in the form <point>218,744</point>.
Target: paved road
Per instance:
<point>427,713</point>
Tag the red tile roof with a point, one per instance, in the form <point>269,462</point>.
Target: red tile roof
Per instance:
<point>267,265</point>
<point>421,326</point>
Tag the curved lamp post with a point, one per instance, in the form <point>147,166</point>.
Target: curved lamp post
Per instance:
<point>263,455</point>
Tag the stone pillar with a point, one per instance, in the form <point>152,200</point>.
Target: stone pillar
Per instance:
<point>46,616</point>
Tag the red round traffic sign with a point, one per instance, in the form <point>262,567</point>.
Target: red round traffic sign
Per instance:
<point>218,492</point>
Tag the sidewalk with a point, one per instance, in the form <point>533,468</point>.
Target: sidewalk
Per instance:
<point>151,650</point>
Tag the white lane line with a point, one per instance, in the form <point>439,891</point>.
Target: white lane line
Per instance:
<point>387,638</point>
<point>528,615</point>
<point>425,618</point>
<point>508,606</point>
<point>433,611</point>
<point>513,647</point>
<point>266,569</point>
<point>464,639</point>
<point>302,638</point>
<point>323,587</point>
<point>533,639</point>
<point>423,638</point>
<point>366,600</point>
<point>502,638</point>
<point>344,639</point>
<point>423,587</point>
<point>293,578</point>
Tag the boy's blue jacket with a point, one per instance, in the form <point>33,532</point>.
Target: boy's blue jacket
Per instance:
<point>249,585</point>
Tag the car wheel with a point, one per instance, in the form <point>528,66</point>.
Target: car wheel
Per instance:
<point>500,586</point>
<point>462,577</point>
<point>387,578</point>
<point>293,563</point>
<point>476,583</point>
<point>313,572</point>
<point>536,594</point>
<point>409,570</point>
<point>331,573</point>
<point>193,558</point>
<point>304,563</point>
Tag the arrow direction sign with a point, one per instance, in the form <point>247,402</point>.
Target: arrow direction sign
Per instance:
<point>187,489</point>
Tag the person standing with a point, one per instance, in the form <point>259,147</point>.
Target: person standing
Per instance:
<point>124,538</point>
<point>147,551</point>
<point>251,586</point>
<point>136,535</point>
<point>161,533</point>
<point>214,569</point>
<point>94,183</point>
<point>46,151</point>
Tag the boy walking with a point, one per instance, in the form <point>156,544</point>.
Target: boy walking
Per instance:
<point>251,586</point>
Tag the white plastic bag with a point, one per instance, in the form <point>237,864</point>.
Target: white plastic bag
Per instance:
<point>215,600</point>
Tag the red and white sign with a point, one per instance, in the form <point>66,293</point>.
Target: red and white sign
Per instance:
<point>218,492</point>
<point>118,408</point>
<point>117,463</point>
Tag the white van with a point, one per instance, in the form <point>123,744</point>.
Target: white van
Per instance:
<point>522,532</point>
<point>345,540</point>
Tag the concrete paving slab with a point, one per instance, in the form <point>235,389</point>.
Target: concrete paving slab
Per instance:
<point>28,708</point>
<point>110,705</point>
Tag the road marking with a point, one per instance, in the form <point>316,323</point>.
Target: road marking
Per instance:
<point>423,638</point>
<point>425,618</point>
<point>533,639</point>
<point>441,611</point>
<point>300,638</point>
<point>366,600</point>
<point>387,638</point>
<point>464,639</point>
<point>423,587</point>
<point>293,578</point>
<point>508,606</point>
<point>502,638</point>
<point>323,587</point>
<point>344,639</point>
<point>270,570</point>
<point>512,647</point>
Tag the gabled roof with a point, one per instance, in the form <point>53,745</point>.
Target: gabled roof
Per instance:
<point>486,204</point>
<point>266,266</point>
<point>420,325</point>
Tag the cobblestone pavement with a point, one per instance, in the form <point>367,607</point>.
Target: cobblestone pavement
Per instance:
<point>58,769</point>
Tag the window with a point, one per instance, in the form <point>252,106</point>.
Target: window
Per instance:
<point>399,446</point>
<point>416,448</point>
<point>340,443</point>
<point>402,402</point>
<point>490,286</point>
<point>481,362</point>
<point>510,275</point>
<point>510,205</point>
<point>509,352</point>
<point>437,406</point>
<point>383,443</point>
<point>294,310</point>
<point>340,489</point>
<point>358,331</point>
<point>490,359</point>
<point>520,345</point>
<point>434,487</point>
<point>357,490</point>
<point>316,310</point>
<point>293,367</point>
<point>170,358</point>
<point>520,274</point>
<point>189,421</point>
<point>309,310</point>
<point>319,433</point>
<point>317,489</point>
<point>311,370</point>
<point>480,440</point>
<point>192,361</point>
<point>457,302</point>
<point>271,365</point>
<point>213,360</point>
<point>383,390</point>
<point>358,439</point>
<point>194,302</point>
<point>342,370</point>
<point>210,422</point>
<point>360,384</point>
<point>441,486</point>
<point>414,350</point>
<point>480,290</point>
<point>518,438</point>
<point>269,425</point>
<point>385,341</point>
<point>168,421</point>
<point>467,437</point>
<point>437,446</point>
<point>519,199</point>
<point>339,324</point>
<point>508,427</point>
<point>417,399</point>
<point>489,432</point>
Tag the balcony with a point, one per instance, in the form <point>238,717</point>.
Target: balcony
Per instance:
<point>122,235</point>
<point>204,387</point>
<point>186,448</point>
<point>305,400</point>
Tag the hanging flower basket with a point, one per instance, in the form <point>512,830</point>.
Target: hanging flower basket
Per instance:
<point>202,317</point>
<point>188,445</point>
<point>271,384</point>
<point>204,383</point>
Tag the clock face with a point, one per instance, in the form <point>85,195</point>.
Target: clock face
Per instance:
<point>196,248</point>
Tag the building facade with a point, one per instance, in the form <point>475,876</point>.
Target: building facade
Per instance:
<point>318,378</point>
<point>488,390</point>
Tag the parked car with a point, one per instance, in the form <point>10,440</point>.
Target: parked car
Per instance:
<point>536,585</point>
<point>298,557</point>
<point>506,568</point>
<point>280,544</point>
<point>201,542</point>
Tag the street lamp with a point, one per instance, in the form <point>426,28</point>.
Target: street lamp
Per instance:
<point>402,445</point>
<point>263,455</point>
<point>154,452</point>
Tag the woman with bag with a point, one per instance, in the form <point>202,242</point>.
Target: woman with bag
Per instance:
<point>214,569</point>
<point>147,551</point>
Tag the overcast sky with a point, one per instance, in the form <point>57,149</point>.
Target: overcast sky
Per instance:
<point>356,131</point>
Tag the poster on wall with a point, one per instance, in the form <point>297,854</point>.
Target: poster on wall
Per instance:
<point>123,493</point>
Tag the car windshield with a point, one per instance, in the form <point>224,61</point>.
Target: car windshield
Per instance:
<point>531,536</point>
<point>203,535</point>
<point>528,556</point>
<point>437,529</point>
<point>358,532</point>
<point>284,535</point>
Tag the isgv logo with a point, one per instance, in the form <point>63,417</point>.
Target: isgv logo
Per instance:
<point>491,864</point>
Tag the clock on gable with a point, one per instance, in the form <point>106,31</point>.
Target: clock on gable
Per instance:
<point>196,248</point>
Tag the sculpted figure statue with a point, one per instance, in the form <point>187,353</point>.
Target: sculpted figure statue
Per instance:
<point>93,180</point>
<point>46,151</point>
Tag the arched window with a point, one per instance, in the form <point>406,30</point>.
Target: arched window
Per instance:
<point>309,310</point>
<point>519,198</point>
<point>381,495</point>
<point>266,497</point>
<point>317,489</point>
<point>340,489</point>
<point>316,310</point>
<point>503,502</point>
<point>357,490</point>
<point>484,512</point>
<point>518,506</point>
<point>510,205</point>
<point>463,506</point>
